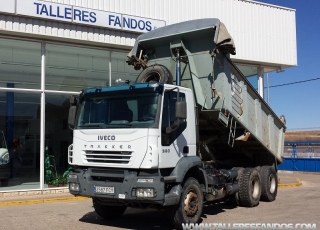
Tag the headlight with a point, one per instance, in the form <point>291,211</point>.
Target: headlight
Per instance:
<point>145,192</point>
<point>74,187</point>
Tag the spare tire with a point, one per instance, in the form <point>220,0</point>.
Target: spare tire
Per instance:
<point>156,73</point>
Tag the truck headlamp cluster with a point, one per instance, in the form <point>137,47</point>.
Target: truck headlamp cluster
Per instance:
<point>74,187</point>
<point>145,192</point>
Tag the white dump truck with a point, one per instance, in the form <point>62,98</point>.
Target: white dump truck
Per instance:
<point>190,130</point>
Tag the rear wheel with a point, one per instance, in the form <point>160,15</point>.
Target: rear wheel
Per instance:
<point>190,207</point>
<point>155,73</point>
<point>269,183</point>
<point>235,199</point>
<point>108,211</point>
<point>250,187</point>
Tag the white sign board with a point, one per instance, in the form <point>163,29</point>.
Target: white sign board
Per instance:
<point>7,6</point>
<point>91,17</point>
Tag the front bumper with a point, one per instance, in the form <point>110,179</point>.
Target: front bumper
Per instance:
<point>124,183</point>
<point>5,171</point>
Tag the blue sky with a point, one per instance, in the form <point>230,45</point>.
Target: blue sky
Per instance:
<point>300,103</point>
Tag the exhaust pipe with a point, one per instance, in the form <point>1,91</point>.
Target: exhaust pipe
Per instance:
<point>229,189</point>
<point>229,175</point>
<point>232,189</point>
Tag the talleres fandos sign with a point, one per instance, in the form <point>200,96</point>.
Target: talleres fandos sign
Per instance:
<point>79,15</point>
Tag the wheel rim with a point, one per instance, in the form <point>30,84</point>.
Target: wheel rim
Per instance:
<point>272,183</point>
<point>255,188</point>
<point>191,202</point>
<point>153,77</point>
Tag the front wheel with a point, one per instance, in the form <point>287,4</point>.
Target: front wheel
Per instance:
<point>190,207</point>
<point>108,211</point>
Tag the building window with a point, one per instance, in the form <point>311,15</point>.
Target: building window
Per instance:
<point>57,137</point>
<point>73,68</point>
<point>20,64</point>
<point>20,123</point>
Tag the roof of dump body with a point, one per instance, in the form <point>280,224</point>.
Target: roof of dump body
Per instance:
<point>222,38</point>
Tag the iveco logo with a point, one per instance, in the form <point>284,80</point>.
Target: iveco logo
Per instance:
<point>106,138</point>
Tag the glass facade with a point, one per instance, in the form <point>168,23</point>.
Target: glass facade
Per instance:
<point>26,108</point>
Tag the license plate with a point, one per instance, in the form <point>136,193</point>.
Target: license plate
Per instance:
<point>103,190</point>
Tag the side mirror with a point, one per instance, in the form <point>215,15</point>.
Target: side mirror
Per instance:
<point>73,100</point>
<point>181,109</point>
<point>72,115</point>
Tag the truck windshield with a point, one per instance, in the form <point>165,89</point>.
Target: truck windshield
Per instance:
<point>136,111</point>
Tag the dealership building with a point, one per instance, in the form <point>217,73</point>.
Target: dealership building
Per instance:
<point>51,49</point>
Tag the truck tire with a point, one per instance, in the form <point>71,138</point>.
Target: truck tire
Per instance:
<point>4,182</point>
<point>235,198</point>
<point>250,187</point>
<point>189,209</point>
<point>108,211</point>
<point>269,183</point>
<point>155,73</point>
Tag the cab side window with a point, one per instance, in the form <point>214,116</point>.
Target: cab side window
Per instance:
<point>168,118</point>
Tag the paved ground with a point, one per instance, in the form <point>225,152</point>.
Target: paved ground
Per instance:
<point>293,205</point>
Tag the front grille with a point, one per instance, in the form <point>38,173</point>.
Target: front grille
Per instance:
<point>107,175</point>
<point>107,179</point>
<point>108,157</point>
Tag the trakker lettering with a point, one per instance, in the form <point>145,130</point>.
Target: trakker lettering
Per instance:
<point>106,138</point>
<point>107,147</point>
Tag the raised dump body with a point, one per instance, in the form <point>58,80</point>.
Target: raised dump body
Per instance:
<point>236,126</point>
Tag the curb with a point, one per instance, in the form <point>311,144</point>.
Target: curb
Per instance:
<point>291,185</point>
<point>42,201</point>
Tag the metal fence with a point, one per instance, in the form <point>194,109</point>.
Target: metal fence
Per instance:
<point>302,157</point>
<point>310,151</point>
